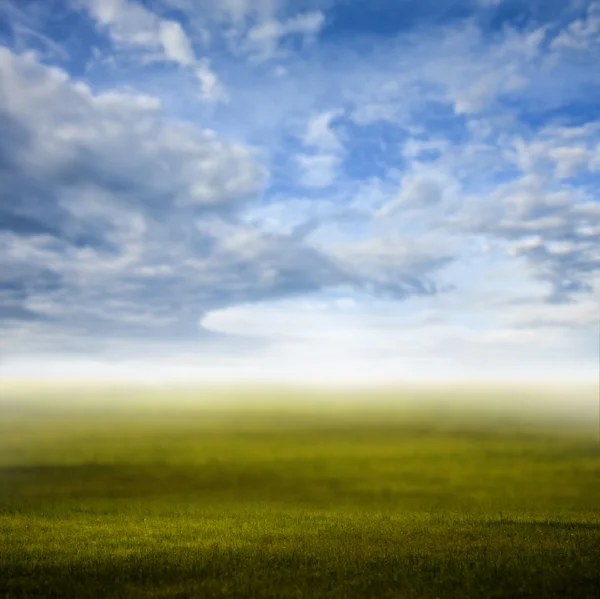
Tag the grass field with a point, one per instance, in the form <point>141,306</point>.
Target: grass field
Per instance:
<point>233,502</point>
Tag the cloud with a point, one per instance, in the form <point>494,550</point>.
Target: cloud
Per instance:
<point>318,170</point>
<point>211,88</point>
<point>175,43</point>
<point>129,224</point>
<point>416,191</point>
<point>263,40</point>
<point>550,221</point>
<point>457,66</point>
<point>582,33</point>
<point>319,133</point>
<point>515,187</point>
<point>107,193</point>
<point>536,223</point>
<point>116,140</point>
<point>569,265</point>
<point>401,267</point>
<point>479,95</point>
<point>239,12</point>
<point>128,23</point>
<point>371,341</point>
<point>569,160</point>
<point>132,25</point>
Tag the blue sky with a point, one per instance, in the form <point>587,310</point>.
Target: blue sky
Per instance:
<point>324,190</point>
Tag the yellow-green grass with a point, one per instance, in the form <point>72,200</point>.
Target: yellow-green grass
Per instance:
<point>184,501</point>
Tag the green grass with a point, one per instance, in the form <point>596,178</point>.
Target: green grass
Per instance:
<point>247,504</point>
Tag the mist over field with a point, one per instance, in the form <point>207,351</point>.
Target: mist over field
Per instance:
<point>534,405</point>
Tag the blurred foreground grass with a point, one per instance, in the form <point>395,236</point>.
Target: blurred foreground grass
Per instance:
<point>156,498</point>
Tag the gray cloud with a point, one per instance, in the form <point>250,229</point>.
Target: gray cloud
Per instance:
<point>116,223</point>
<point>568,266</point>
<point>564,227</point>
<point>550,220</point>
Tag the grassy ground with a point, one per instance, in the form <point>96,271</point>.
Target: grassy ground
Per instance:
<point>239,504</point>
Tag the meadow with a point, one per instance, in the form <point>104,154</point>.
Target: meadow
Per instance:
<point>163,495</point>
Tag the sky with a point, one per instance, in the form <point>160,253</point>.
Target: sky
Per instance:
<point>330,190</point>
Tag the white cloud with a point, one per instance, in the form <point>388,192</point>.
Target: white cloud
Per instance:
<point>479,94</point>
<point>239,11</point>
<point>383,341</point>
<point>413,148</point>
<point>129,23</point>
<point>263,40</point>
<point>506,72</point>
<point>567,150</point>
<point>581,34</point>
<point>176,45</point>
<point>319,133</point>
<point>416,191</point>
<point>526,244</point>
<point>401,264</point>
<point>318,170</point>
<point>305,24</point>
<point>455,65</point>
<point>211,88</point>
<point>569,160</point>
<point>124,131</point>
<point>424,186</point>
<point>132,25</point>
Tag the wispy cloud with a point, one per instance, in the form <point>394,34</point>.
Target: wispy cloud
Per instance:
<point>131,25</point>
<point>264,39</point>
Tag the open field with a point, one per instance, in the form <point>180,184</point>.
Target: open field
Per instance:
<point>161,497</point>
